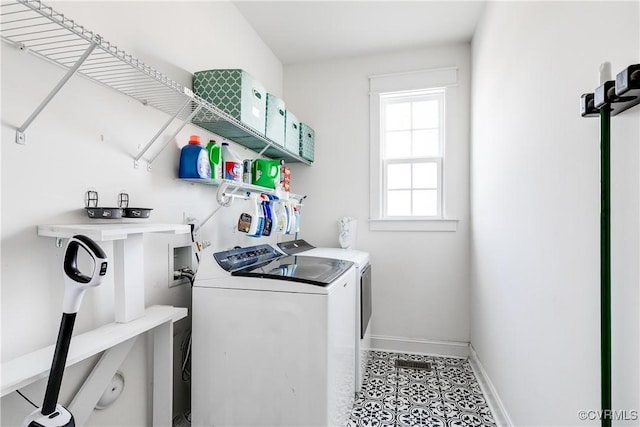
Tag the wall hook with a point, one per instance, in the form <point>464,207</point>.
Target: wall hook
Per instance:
<point>616,95</point>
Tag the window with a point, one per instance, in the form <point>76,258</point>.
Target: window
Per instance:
<point>412,135</point>
<point>412,118</point>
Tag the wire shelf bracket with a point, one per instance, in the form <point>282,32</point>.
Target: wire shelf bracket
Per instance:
<point>21,137</point>
<point>157,135</point>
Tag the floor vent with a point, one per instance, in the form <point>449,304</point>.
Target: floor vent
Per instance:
<point>413,364</point>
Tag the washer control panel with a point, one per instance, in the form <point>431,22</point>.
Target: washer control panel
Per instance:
<point>238,258</point>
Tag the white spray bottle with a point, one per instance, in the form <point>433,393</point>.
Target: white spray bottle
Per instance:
<point>291,219</point>
<point>280,215</point>
<point>252,221</point>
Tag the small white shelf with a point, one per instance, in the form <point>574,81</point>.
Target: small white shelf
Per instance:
<point>34,366</point>
<point>103,232</point>
<point>241,186</point>
<point>128,257</point>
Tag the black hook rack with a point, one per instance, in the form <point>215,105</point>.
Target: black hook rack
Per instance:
<point>608,99</point>
<point>619,94</point>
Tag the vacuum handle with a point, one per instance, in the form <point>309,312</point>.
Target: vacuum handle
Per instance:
<point>76,281</point>
<point>71,259</point>
<point>58,363</point>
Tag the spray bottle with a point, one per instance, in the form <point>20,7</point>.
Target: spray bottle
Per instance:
<point>291,219</point>
<point>252,222</point>
<point>296,215</point>
<point>280,216</point>
<point>273,203</point>
<point>268,215</point>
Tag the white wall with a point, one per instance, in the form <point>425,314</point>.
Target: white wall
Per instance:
<point>535,208</point>
<point>420,279</point>
<point>87,137</point>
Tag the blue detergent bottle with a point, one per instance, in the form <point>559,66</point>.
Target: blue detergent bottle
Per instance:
<point>194,160</point>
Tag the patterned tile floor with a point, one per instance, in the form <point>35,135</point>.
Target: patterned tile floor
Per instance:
<point>447,396</point>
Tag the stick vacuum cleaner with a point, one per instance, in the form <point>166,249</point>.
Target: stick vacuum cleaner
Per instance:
<point>53,414</point>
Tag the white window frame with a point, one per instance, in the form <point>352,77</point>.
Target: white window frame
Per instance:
<point>380,86</point>
<point>412,96</point>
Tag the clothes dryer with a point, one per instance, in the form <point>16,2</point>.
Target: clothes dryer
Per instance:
<point>363,293</point>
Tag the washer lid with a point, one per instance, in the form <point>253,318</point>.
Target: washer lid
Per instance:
<point>360,258</point>
<point>301,247</point>
<point>311,270</point>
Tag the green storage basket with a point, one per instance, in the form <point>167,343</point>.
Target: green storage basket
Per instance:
<point>236,93</point>
<point>292,133</point>
<point>275,119</point>
<point>307,141</point>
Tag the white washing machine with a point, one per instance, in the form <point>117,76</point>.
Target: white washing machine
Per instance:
<point>273,339</point>
<point>363,293</point>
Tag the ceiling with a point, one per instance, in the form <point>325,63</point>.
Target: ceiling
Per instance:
<point>303,31</point>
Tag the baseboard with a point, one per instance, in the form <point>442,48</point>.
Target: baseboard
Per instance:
<point>409,345</point>
<point>497,408</point>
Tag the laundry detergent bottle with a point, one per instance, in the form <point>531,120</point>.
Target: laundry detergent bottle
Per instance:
<point>194,160</point>
<point>265,172</point>
<point>232,164</point>
<point>215,159</point>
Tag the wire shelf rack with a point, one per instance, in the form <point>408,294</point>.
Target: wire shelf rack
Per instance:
<point>31,26</point>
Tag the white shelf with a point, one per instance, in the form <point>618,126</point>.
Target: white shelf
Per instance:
<point>128,259</point>
<point>32,367</point>
<point>103,232</point>
<point>31,26</point>
<point>241,186</point>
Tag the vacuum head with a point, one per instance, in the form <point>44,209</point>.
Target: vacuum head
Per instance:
<point>61,417</point>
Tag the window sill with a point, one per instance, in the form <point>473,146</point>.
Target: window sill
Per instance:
<point>413,224</point>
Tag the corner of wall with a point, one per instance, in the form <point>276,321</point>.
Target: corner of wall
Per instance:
<point>488,389</point>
